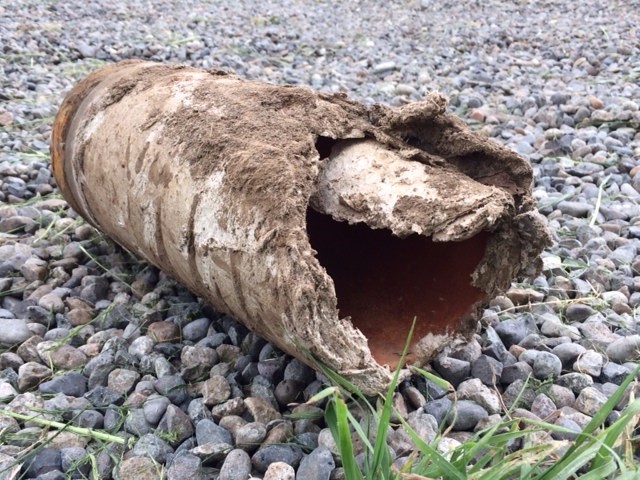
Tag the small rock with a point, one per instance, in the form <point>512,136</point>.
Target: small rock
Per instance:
<point>279,471</point>
<point>215,390</point>
<point>568,352</point>
<point>575,209</point>
<point>154,408</point>
<point>31,374</point>
<point>572,427</point>
<point>196,329</point>
<point>185,466</point>
<point>62,356</point>
<point>140,468</point>
<point>52,303</point>
<point>236,466</point>
<point>176,424</point>
<point>487,369</point>
<point>384,67</point>
<point>546,365</point>
<point>467,415</point>
<point>250,436</point>
<point>197,362</point>
<point>440,409</point>
<point>524,296</point>
<point>614,373</point>
<point>590,362</point>
<point>261,410</point>
<point>576,382</point>
<point>476,391</point>
<point>561,396</point>
<point>543,406</point>
<point>103,397</point>
<point>451,369</point>
<point>173,387</point>
<point>289,454</point>
<point>163,331</point>
<point>73,384</point>
<point>44,460</point>
<point>553,327</point>
<point>208,432</point>
<point>151,446</point>
<point>578,312</point>
<point>318,465</point>
<point>122,380</point>
<point>517,371</point>
<point>624,349</point>
<point>590,401</point>
<point>14,331</point>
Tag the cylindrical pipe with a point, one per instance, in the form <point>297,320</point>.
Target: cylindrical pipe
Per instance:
<point>322,224</point>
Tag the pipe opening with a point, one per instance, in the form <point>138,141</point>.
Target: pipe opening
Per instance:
<point>382,281</point>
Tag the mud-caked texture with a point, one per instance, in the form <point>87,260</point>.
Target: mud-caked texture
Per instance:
<point>209,177</point>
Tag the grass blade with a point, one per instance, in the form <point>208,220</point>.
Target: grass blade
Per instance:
<point>336,417</point>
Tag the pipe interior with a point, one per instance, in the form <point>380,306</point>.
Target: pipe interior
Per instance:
<point>382,281</point>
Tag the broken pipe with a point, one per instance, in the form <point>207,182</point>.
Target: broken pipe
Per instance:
<point>322,224</point>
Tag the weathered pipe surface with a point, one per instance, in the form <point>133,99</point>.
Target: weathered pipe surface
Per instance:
<point>322,224</point>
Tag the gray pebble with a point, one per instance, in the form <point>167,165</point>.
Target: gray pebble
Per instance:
<point>487,369</point>
<point>318,465</point>
<point>31,374</point>
<point>614,373</point>
<point>543,406</point>
<point>467,415</point>
<point>624,349</point>
<point>440,409</point>
<point>185,466</point>
<point>250,436</point>
<point>452,369</point>
<point>289,454</point>
<point>573,429</point>
<point>14,331</point>
<point>176,424</point>
<point>173,387</point>
<point>236,466</point>
<point>42,461</point>
<point>136,423</point>
<point>517,371</point>
<point>576,382</point>
<point>590,362</point>
<point>154,408</point>
<point>578,312</point>
<point>546,365</point>
<point>590,401</point>
<point>208,432</point>
<point>196,330</point>
<point>73,384</point>
<point>151,446</point>
<point>568,352</point>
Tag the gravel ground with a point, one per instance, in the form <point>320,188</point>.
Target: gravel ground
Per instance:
<point>94,338</point>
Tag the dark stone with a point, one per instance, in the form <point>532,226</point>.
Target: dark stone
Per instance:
<point>487,369</point>
<point>440,409</point>
<point>451,369</point>
<point>185,466</point>
<point>151,446</point>
<point>103,396</point>
<point>467,415</point>
<point>173,387</point>
<point>318,465</point>
<point>42,461</point>
<point>517,371</point>
<point>72,384</point>
<point>208,432</point>
<point>289,454</point>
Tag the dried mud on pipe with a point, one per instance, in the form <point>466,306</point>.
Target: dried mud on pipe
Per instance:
<point>213,179</point>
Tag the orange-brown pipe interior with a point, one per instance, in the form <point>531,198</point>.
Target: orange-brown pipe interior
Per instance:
<point>382,281</point>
